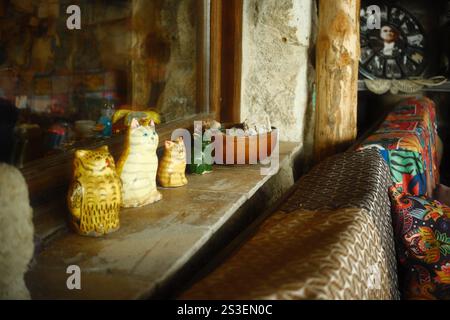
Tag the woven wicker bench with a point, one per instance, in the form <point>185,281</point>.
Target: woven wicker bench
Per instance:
<point>332,239</point>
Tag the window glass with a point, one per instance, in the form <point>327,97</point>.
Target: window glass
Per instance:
<point>66,83</point>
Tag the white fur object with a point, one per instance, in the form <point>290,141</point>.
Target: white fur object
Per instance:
<point>16,233</point>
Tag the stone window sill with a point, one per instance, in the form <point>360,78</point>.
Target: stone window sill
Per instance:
<point>160,246</point>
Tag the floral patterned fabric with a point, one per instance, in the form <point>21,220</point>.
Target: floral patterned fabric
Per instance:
<point>407,140</point>
<point>422,230</point>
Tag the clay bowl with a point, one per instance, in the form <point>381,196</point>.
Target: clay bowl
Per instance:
<point>244,149</point>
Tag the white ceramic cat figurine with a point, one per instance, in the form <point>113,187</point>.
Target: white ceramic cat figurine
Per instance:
<point>138,165</point>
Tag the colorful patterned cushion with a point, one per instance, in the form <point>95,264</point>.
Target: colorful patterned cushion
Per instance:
<point>408,141</point>
<point>422,231</point>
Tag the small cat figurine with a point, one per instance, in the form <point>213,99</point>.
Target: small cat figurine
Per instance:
<point>171,171</point>
<point>95,194</point>
<point>138,165</point>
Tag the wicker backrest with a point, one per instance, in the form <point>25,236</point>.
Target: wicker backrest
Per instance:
<point>355,179</point>
<point>321,244</point>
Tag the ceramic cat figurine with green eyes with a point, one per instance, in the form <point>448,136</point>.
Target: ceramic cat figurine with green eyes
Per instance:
<point>171,171</point>
<point>95,194</point>
<point>138,165</point>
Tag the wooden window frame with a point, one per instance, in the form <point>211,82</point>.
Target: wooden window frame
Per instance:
<point>51,175</point>
<point>226,59</point>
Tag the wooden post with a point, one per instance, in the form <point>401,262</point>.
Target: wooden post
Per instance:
<point>337,76</point>
<point>226,59</point>
<point>202,54</point>
<point>216,58</point>
<point>232,60</point>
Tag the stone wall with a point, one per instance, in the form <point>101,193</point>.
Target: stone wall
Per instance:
<point>276,41</point>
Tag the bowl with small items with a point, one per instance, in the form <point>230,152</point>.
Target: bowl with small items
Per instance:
<point>245,143</point>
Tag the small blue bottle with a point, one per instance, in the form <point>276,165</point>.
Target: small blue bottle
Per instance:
<point>106,119</point>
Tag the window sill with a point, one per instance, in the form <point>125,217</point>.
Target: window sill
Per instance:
<point>160,246</point>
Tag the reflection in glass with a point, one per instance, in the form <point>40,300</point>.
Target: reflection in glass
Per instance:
<point>136,54</point>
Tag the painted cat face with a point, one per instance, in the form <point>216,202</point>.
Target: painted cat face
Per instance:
<point>97,161</point>
<point>143,135</point>
<point>176,149</point>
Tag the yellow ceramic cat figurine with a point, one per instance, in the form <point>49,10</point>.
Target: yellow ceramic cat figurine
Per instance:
<point>138,165</point>
<point>171,171</point>
<point>95,194</point>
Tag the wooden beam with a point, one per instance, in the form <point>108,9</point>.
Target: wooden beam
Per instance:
<point>216,58</point>
<point>232,14</point>
<point>202,56</point>
<point>337,76</point>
